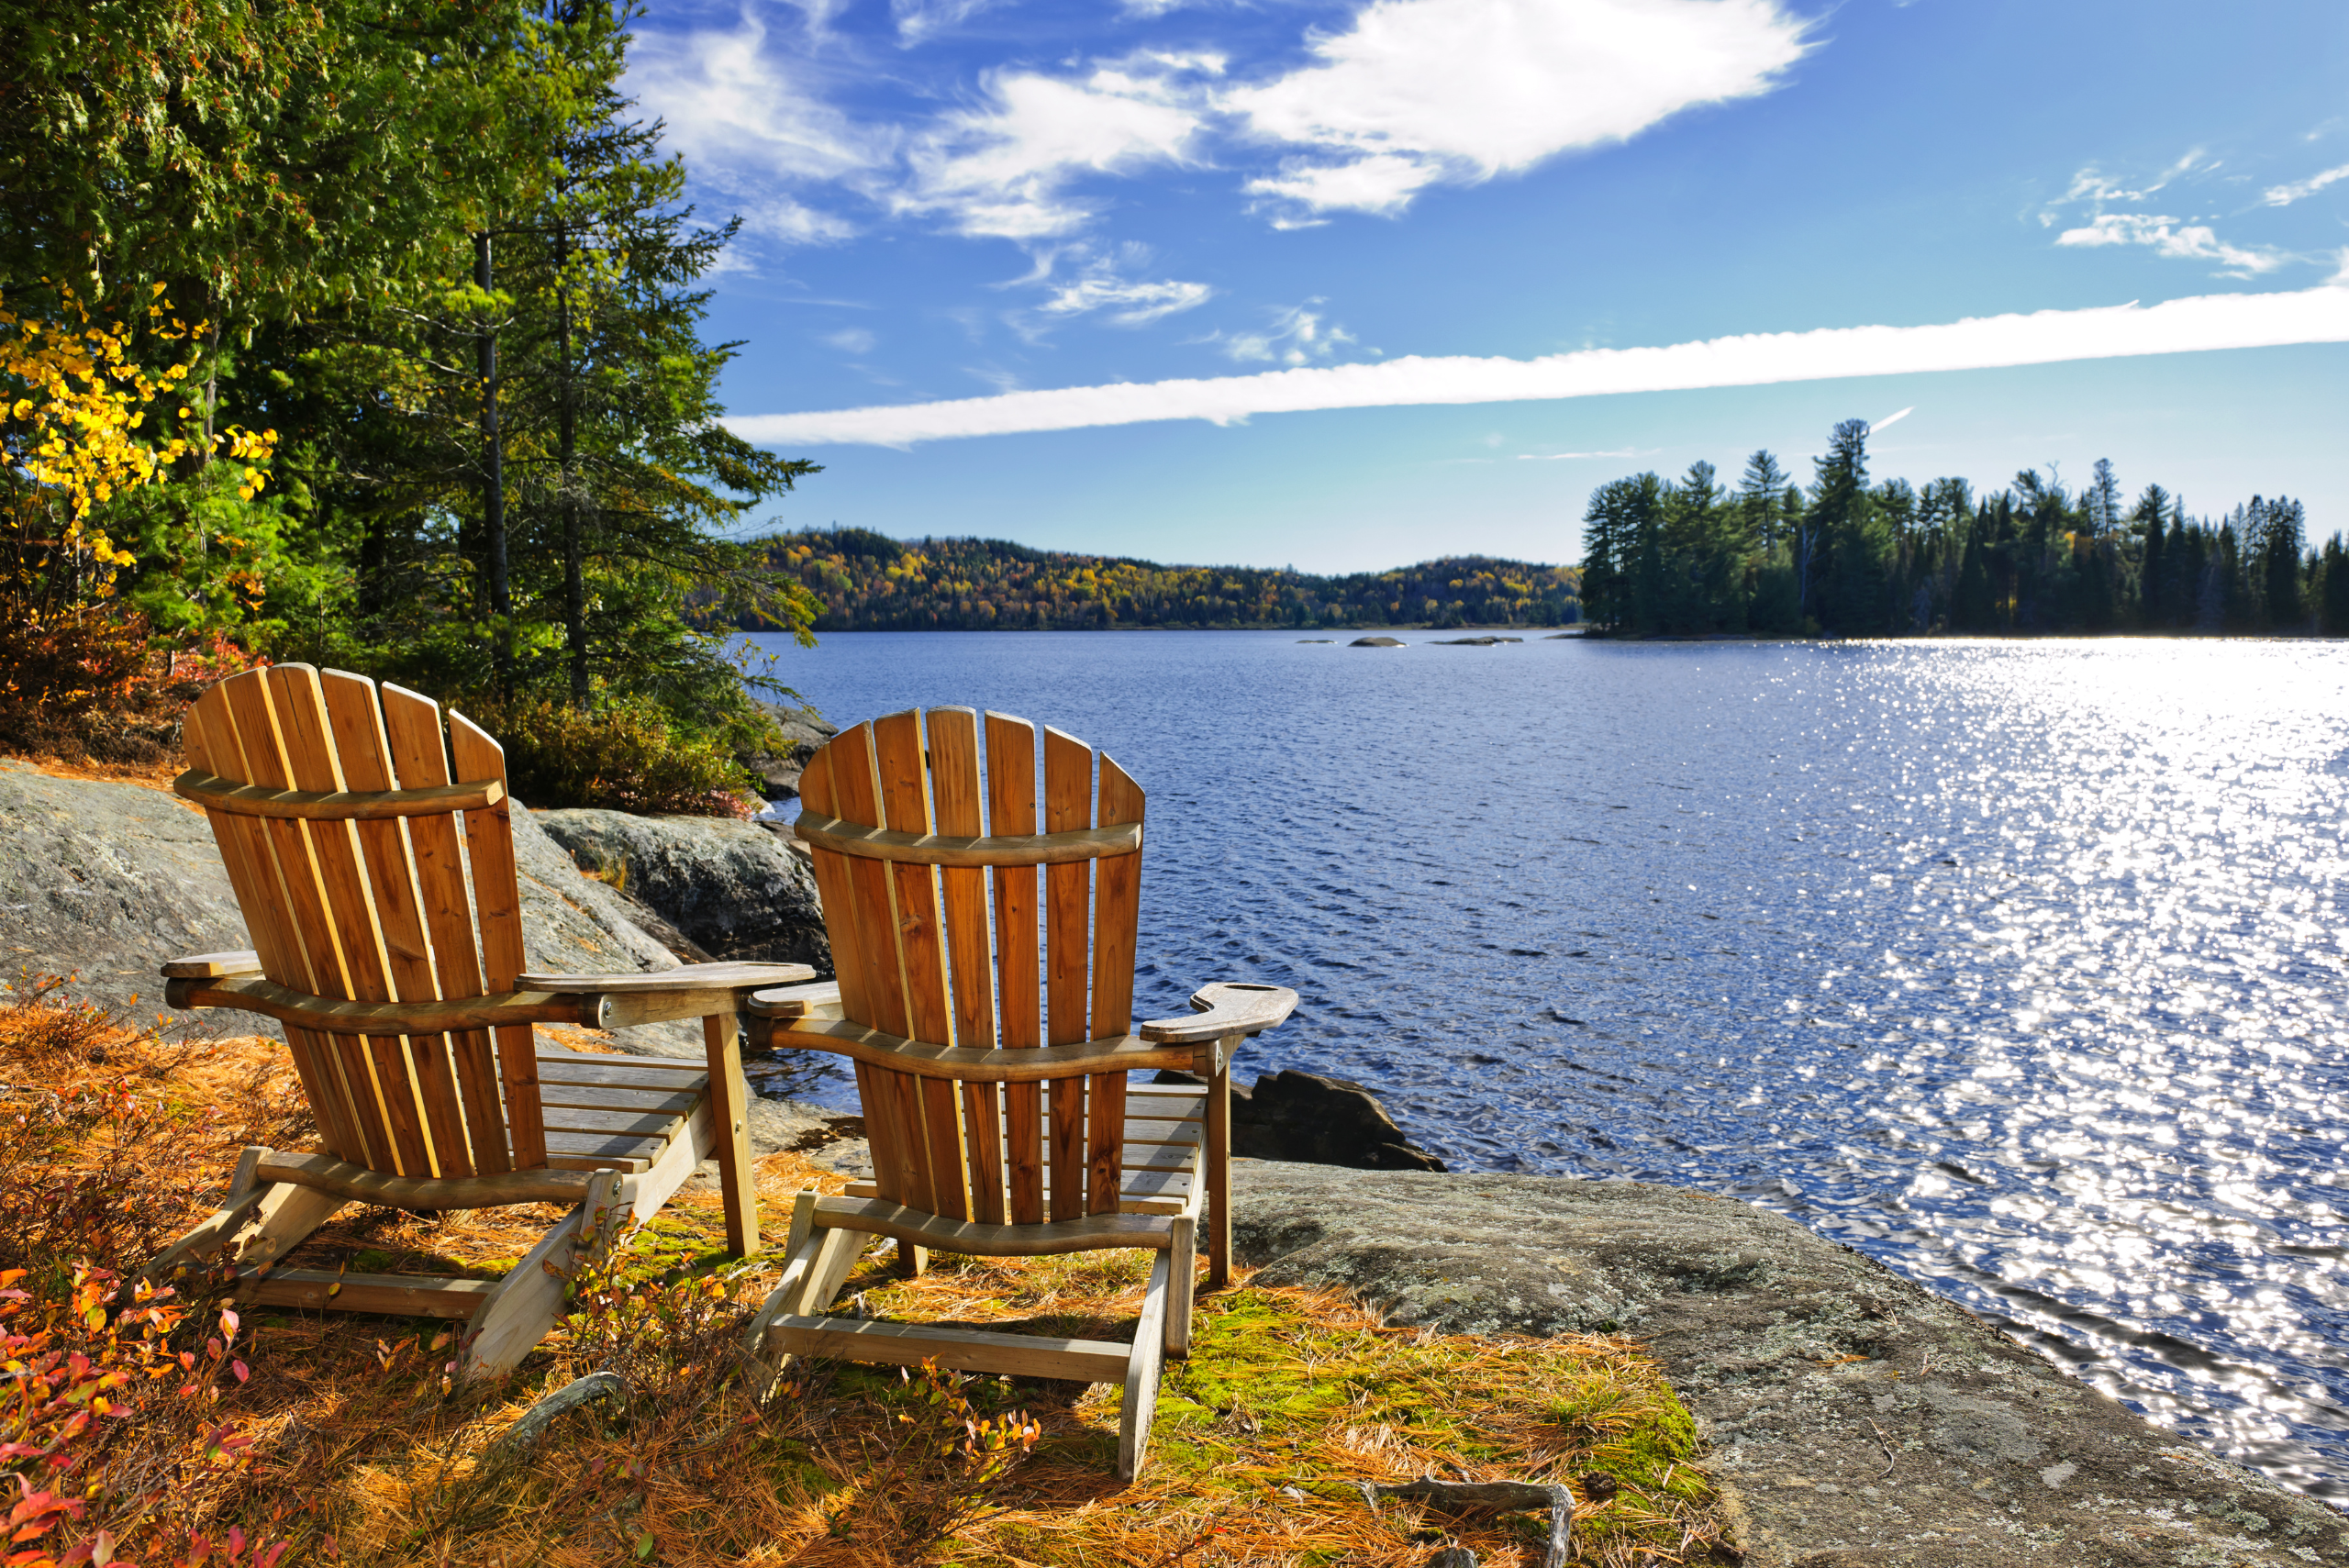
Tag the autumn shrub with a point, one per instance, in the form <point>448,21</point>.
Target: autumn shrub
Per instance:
<point>113,1445</point>
<point>626,756</point>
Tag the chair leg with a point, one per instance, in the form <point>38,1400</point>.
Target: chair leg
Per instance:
<point>287,1215</point>
<point>266,1220</point>
<point>1217,1161</point>
<point>811,1277</point>
<point>730,1102</point>
<point>1141,1371</point>
<point>912,1262</point>
<point>512,1318</point>
<point>1182,1283</point>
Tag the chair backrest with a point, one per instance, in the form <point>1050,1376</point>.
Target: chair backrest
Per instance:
<point>355,888</point>
<point>911,948</point>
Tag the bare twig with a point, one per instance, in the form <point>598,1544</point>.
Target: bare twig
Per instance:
<point>534,1421</point>
<point>1501,1497</point>
<point>1883,1442</point>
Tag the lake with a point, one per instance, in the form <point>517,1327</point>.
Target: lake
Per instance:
<point>2018,966</point>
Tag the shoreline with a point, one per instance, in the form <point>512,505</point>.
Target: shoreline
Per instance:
<point>1809,1342</point>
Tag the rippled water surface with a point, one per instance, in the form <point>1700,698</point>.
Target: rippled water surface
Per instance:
<point>2018,967</point>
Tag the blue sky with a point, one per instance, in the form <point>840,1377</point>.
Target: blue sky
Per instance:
<point>1346,285</point>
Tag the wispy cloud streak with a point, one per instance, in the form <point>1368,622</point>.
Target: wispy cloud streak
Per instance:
<point>2320,315</point>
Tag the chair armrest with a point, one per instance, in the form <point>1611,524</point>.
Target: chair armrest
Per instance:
<point>253,994</point>
<point>212,966</point>
<point>818,999</point>
<point>686,977</point>
<point>1225,1007</point>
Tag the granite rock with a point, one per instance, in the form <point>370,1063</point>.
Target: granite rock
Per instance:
<point>729,888</point>
<point>805,732</point>
<point>109,881</point>
<point>1855,1419</point>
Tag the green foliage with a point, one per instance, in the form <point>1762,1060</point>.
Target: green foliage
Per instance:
<point>1860,560</point>
<point>625,755</point>
<point>388,218</point>
<point>865,582</point>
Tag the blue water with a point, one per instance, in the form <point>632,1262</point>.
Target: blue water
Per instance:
<point>2020,967</point>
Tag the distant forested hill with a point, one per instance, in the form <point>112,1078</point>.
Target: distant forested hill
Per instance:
<point>870,582</point>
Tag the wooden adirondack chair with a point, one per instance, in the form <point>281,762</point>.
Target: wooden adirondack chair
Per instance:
<point>991,1060</point>
<point>387,941</point>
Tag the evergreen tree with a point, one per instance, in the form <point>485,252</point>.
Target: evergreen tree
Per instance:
<point>1761,498</point>
<point>2333,587</point>
<point>2146,520</point>
<point>1851,540</point>
<point>1622,566</point>
<point>1974,608</point>
<point>2278,541</point>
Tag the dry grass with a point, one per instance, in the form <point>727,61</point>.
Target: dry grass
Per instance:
<point>358,1447</point>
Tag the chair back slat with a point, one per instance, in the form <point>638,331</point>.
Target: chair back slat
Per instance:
<point>1011,808</point>
<point>497,908</point>
<point>1116,910</point>
<point>396,908</point>
<point>901,1153</point>
<point>261,748</point>
<point>957,794</point>
<point>307,739</point>
<point>899,756</point>
<point>921,955</point>
<point>362,751</point>
<point>836,891</point>
<point>419,759</point>
<point>1068,928</point>
<point>208,737</point>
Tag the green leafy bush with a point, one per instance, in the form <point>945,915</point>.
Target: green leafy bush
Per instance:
<point>627,757</point>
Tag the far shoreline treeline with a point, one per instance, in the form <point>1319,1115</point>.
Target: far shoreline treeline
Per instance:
<point>868,581</point>
<point>1851,559</point>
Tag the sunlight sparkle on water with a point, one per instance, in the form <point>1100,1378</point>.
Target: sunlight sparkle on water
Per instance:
<point>2017,965</point>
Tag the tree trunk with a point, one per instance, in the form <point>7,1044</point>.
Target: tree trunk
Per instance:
<point>575,589</point>
<point>493,488</point>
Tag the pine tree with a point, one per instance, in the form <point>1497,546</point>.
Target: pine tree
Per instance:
<point>1852,547</point>
<point>2146,520</point>
<point>2333,616</point>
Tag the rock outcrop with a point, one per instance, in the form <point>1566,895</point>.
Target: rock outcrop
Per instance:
<point>1379,642</point>
<point>1306,1118</point>
<point>1857,1420</point>
<point>732,888</point>
<point>109,880</point>
<point>804,730</point>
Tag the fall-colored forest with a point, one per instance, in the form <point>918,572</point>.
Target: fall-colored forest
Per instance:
<point>867,582</point>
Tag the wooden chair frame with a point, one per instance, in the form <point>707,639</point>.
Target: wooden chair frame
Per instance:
<point>386,921</point>
<point>991,1064</point>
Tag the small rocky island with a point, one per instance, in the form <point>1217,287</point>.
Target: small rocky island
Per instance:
<point>1855,1419</point>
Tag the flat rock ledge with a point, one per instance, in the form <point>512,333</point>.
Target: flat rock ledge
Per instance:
<point>1857,1420</point>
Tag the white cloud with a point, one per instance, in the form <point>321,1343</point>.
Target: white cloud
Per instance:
<point>1462,90</point>
<point>2171,236</point>
<point>777,216</point>
<point>851,341</point>
<point>750,126</point>
<point>1297,335</point>
<point>2285,195</point>
<point>1892,419</point>
<point>1570,457</point>
<point>1382,183</point>
<point>920,20</point>
<point>1004,171</point>
<point>1129,304</point>
<point>2319,315</point>
<point>1102,281</point>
